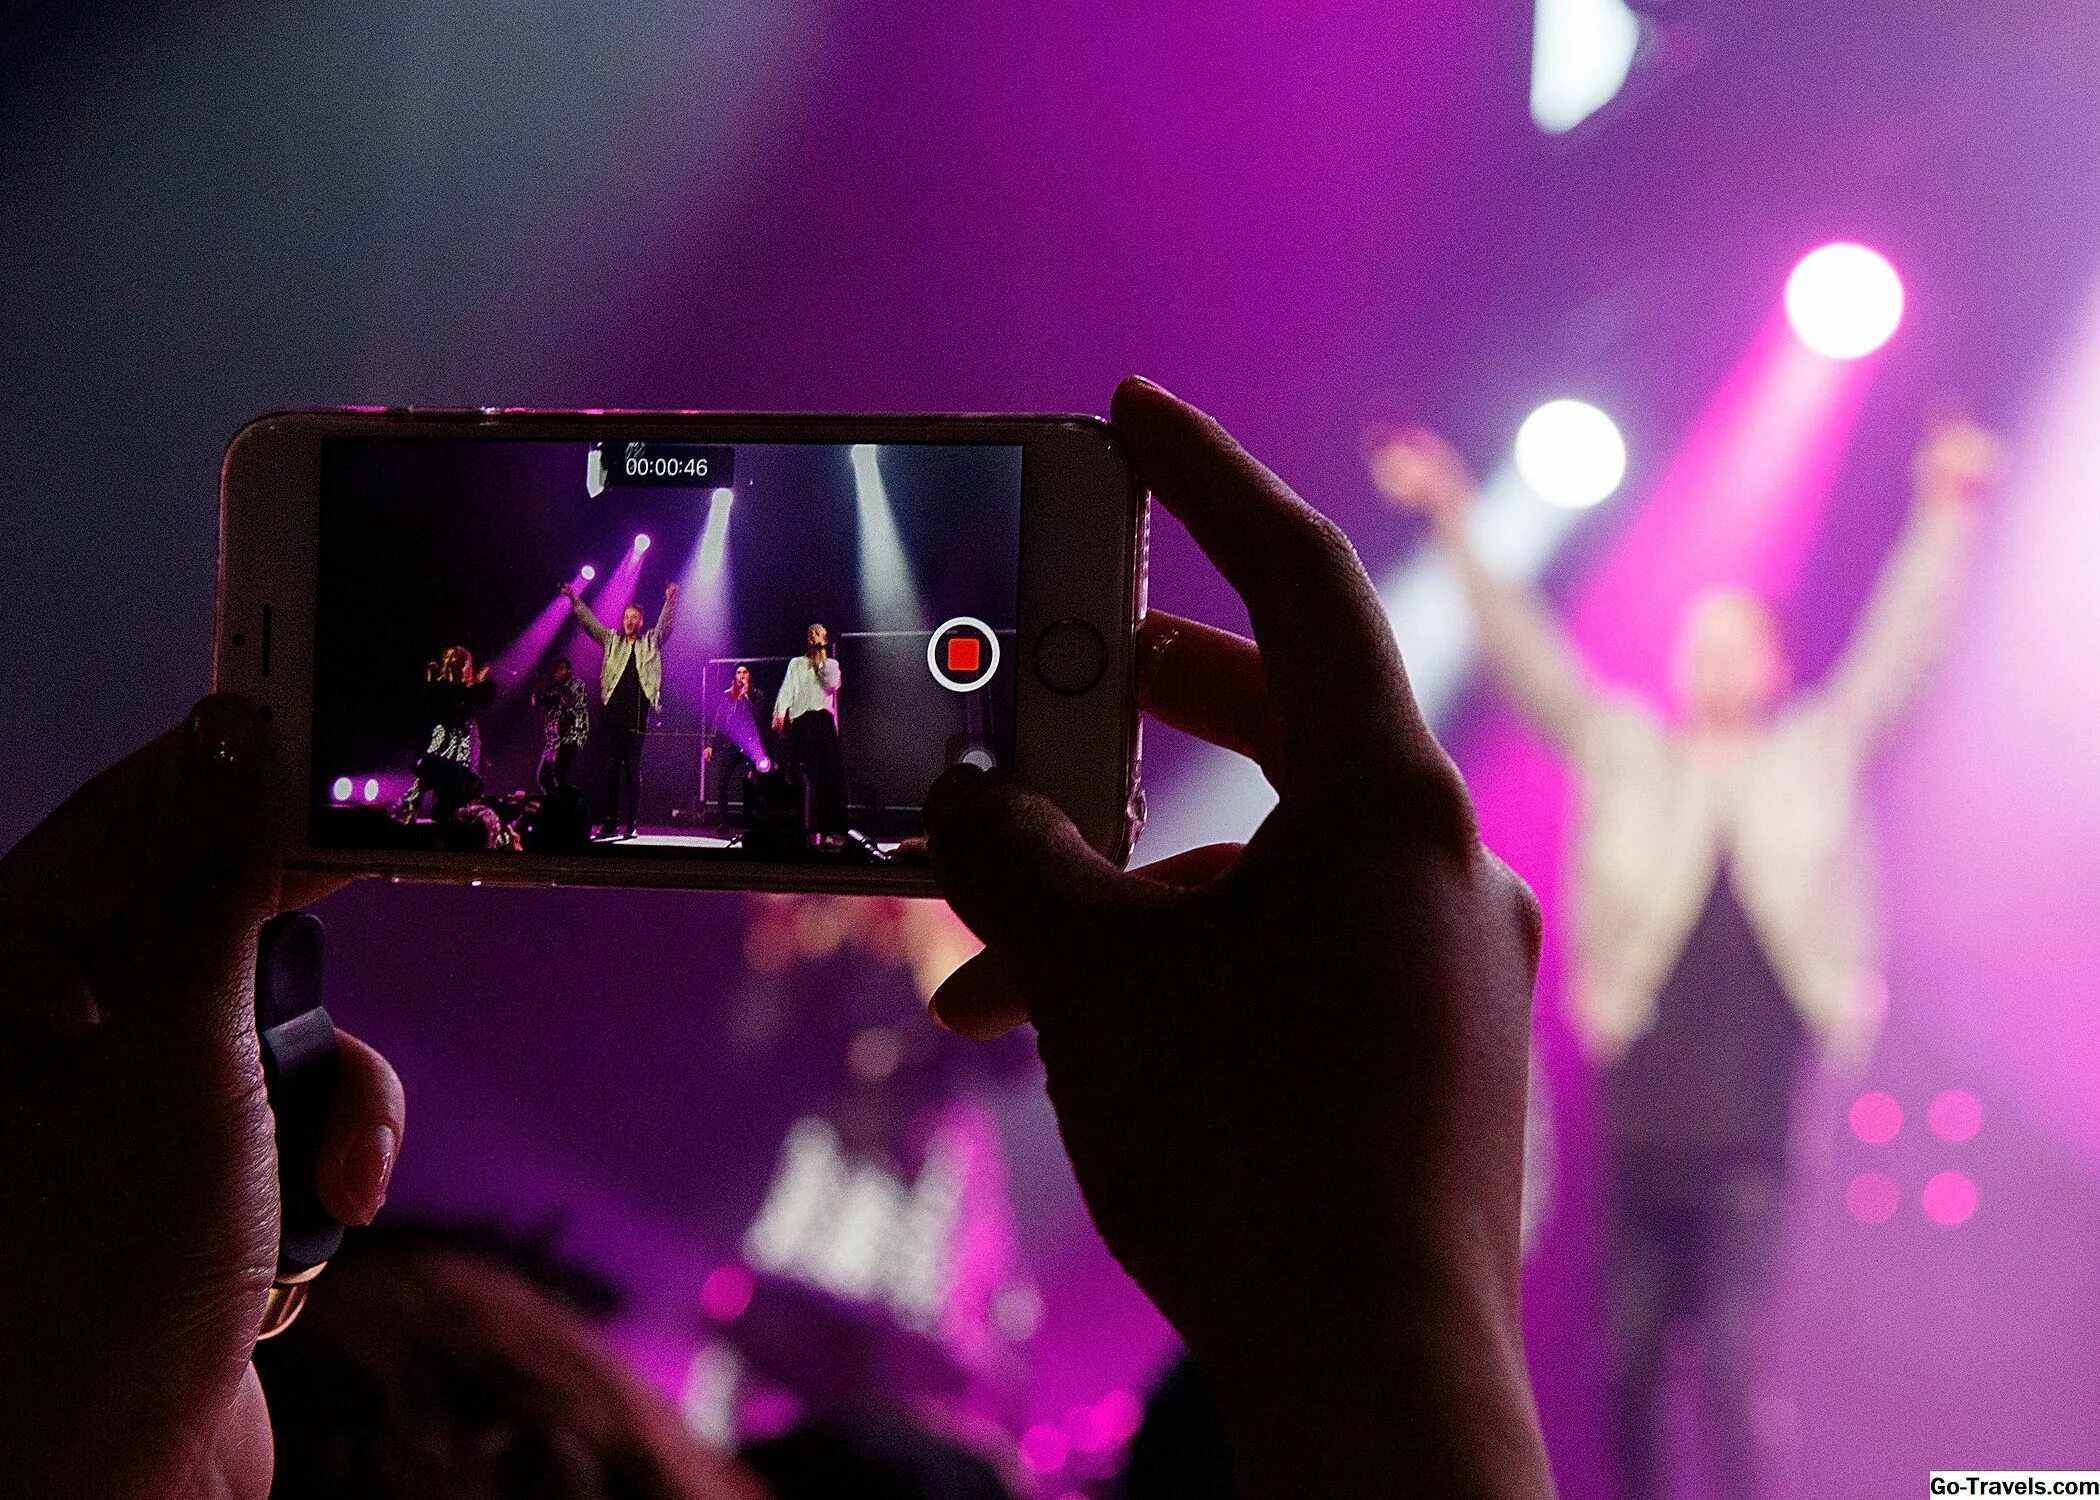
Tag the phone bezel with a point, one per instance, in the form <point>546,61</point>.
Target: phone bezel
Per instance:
<point>1083,542</point>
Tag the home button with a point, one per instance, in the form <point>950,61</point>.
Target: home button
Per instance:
<point>1070,656</point>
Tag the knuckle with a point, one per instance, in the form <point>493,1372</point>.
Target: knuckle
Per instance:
<point>1430,802</point>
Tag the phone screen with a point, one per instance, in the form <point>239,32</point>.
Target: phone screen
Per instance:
<point>724,651</point>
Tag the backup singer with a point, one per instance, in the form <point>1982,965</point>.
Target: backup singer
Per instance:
<point>448,769</point>
<point>631,687</point>
<point>807,710</point>
<point>568,711</point>
<point>1723,913</point>
<point>734,744</point>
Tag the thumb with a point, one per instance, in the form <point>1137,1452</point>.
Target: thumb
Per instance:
<point>1015,869</point>
<point>203,877</point>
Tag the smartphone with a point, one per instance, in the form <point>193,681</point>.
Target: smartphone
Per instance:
<point>675,649</point>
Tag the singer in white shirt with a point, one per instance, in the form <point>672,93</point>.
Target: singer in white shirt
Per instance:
<point>806,710</point>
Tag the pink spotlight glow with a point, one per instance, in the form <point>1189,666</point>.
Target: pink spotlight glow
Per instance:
<point>1954,1115</point>
<point>641,541</point>
<point>1949,1198</point>
<point>1871,1197</point>
<point>342,789</point>
<point>588,572</point>
<point>1876,1117</point>
<point>1043,1449</point>
<point>1844,301</point>
<point>726,1293</point>
<point>372,789</point>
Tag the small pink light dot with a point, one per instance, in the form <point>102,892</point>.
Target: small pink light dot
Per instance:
<point>726,1293</point>
<point>1043,1449</point>
<point>1871,1197</point>
<point>1876,1117</point>
<point>1949,1198</point>
<point>767,1413</point>
<point>1955,1115</point>
<point>1118,1415</point>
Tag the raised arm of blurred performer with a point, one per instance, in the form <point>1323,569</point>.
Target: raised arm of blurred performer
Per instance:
<point>1522,646</point>
<point>1290,1075</point>
<point>1904,625</point>
<point>136,1151</point>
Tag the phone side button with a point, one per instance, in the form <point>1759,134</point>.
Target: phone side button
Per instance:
<point>1070,656</point>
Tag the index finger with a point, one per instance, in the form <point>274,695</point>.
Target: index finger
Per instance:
<point>1327,647</point>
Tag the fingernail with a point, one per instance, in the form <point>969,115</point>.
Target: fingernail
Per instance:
<point>370,1169</point>
<point>224,730</point>
<point>1151,384</point>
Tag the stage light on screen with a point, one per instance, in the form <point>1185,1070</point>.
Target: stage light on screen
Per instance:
<point>1571,454</point>
<point>1844,301</point>
<point>641,542</point>
<point>722,494</point>
<point>341,789</point>
<point>371,789</point>
<point>889,591</point>
<point>587,572</point>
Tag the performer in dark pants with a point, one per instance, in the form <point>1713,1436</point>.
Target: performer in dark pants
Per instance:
<point>806,710</point>
<point>448,769</point>
<point>734,744</point>
<point>1696,1119</point>
<point>630,685</point>
<point>568,726</point>
<point>1721,915</point>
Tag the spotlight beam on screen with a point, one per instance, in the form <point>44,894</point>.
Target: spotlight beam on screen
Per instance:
<point>703,606</point>
<point>607,602</point>
<point>521,658</point>
<point>889,594</point>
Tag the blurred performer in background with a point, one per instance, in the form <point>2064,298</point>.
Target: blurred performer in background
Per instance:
<point>447,770</point>
<point>568,713</point>
<point>807,710</point>
<point>1721,911</point>
<point>734,744</point>
<point>631,687</point>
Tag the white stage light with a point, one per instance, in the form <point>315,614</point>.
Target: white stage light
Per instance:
<point>1844,301</point>
<point>1571,454</point>
<point>1581,51</point>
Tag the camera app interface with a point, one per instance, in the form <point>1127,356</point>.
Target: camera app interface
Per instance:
<point>748,651</point>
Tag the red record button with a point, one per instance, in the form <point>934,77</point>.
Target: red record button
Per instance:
<point>963,654</point>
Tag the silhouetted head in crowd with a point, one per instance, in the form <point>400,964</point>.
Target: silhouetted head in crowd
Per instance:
<point>447,1363</point>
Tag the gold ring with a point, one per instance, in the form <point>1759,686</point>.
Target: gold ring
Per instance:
<point>287,1297</point>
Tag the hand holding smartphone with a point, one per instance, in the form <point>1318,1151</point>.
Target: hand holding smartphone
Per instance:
<point>770,636</point>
